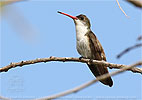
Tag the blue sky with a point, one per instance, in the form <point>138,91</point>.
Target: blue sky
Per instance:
<point>54,35</point>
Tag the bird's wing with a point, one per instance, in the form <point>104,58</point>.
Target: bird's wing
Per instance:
<point>98,54</point>
<point>96,47</point>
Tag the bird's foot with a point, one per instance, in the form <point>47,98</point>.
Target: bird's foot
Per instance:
<point>81,58</point>
<point>91,61</point>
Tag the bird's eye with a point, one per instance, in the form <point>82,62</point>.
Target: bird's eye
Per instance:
<point>82,18</point>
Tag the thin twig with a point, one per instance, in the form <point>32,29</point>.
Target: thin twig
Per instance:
<point>67,59</point>
<point>121,9</point>
<point>137,3</point>
<point>76,89</point>
<point>129,49</point>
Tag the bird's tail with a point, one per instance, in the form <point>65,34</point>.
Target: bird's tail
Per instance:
<point>100,70</point>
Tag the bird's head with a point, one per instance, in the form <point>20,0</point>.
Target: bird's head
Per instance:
<point>80,20</point>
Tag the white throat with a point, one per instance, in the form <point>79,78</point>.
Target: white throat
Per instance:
<point>81,30</point>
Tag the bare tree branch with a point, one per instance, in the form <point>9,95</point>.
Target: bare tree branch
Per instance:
<point>76,89</point>
<point>129,49</point>
<point>137,3</point>
<point>67,59</point>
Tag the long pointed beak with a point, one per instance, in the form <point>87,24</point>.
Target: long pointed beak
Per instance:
<point>73,17</point>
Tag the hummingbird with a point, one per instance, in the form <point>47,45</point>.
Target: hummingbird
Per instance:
<point>88,46</point>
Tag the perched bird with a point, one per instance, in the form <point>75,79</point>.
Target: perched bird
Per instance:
<point>88,46</point>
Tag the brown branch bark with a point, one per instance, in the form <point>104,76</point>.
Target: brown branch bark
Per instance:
<point>67,59</point>
<point>129,49</point>
<point>76,89</point>
<point>137,3</point>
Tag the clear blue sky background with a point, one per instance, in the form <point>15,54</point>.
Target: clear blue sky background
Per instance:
<point>55,36</point>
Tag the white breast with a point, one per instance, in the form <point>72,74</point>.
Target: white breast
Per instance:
<point>82,40</point>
